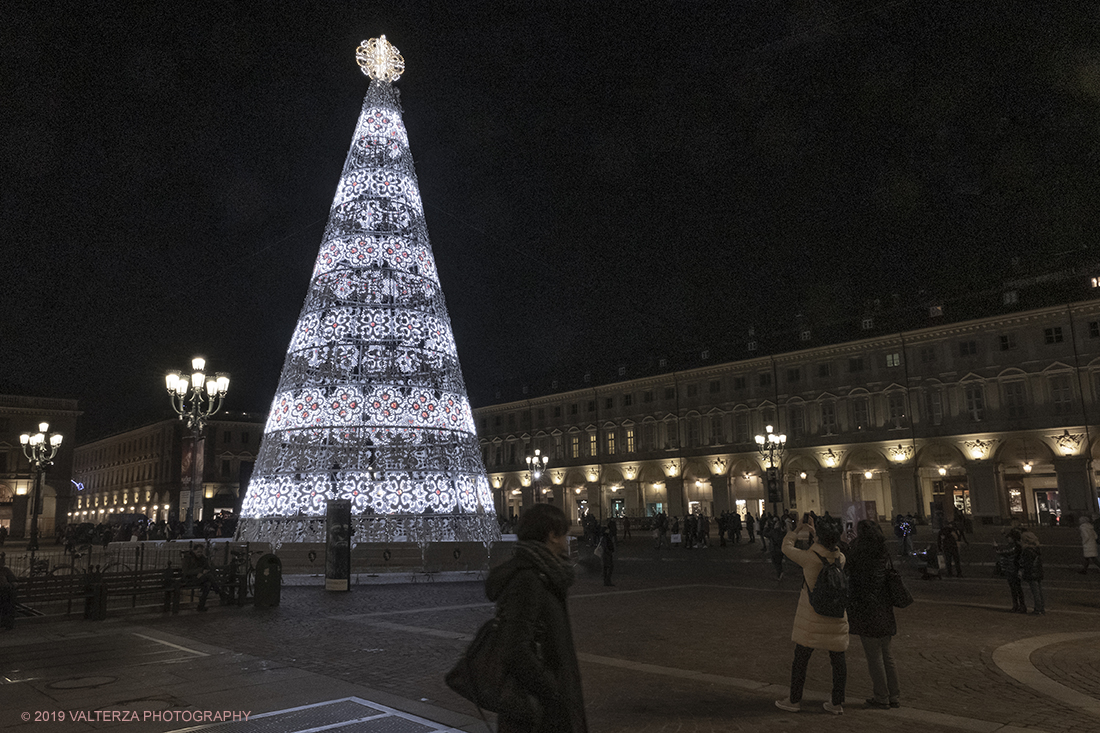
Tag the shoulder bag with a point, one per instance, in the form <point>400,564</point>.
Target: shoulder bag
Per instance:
<point>481,675</point>
<point>896,592</point>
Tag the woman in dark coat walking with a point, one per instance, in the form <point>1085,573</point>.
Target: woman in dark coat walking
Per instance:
<point>529,591</point>
<point>607,542</point>
<point>871,613</point>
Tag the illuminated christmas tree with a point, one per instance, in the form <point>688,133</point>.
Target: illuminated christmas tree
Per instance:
<point>371,405</point>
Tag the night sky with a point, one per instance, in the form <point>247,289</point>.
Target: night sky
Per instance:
<point>602,181</point>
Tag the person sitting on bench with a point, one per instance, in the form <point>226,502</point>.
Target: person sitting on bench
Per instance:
<point>201,572</point>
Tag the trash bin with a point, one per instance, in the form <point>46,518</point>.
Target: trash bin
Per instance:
<point>269,580</point>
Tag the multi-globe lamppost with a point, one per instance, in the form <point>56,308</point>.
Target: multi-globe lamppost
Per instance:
<point>40,449</point>
<point>196,411</point>
<point>771,447</point>
<point>536,464</point>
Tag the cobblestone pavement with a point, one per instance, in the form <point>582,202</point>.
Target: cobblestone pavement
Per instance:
<point>695,640</point>
<point>687,640</point>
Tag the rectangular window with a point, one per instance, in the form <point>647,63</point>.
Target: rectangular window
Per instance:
<point>557,411</point>
<point>828,417</point>
<point>593,446</point>
<point>541,416</point>
<point>245,438</point>
<point>893,360</point>
<point>227,436</point>
<point>559,453</point>
<point>693,390</point>
<point>715,386</point>
<point>1008,341</point>
<point>511,421</point>
<point>1015,400</point>
<point>717,435</point>
<point>739,382</point>
<point>511,453</point>
<point>855,364</point>
<point>797,416</point>
<point>825,370</point>
<point>895,408</point>
<point>1094,329</point>
<point>694,439</point>
<point>227,469</point>
<point>649,436</point>
<point>592,405</point>
<point>496,421</point>
<point>975,402</point>
<point>935,406</point>
<point>672,434</point>
<point>927,354</point>
<point>1053,335</point>
<point>609,403</point>
<point>630,440</point>
<point>573,409</point>
<point>968,348</point>
<point>628,400</point>
<point>861,414</point>
<point>741,427</point>
<point>610,442</point>
<point>794,375</point>
<point>765,379</point>
<point>647,396</point>
<point>670,393</point>
<point>1061,394</point>
<point>575,446</point>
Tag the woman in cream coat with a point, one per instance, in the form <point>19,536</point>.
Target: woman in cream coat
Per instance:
<point>811,630</point>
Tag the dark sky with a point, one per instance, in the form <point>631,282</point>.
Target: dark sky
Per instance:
<point>601,180</point>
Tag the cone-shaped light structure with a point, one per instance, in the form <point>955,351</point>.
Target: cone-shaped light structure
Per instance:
<point>371,406</point>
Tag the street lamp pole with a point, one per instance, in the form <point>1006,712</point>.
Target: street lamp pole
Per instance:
<point>536,464</point>
<point>771,447</point>
<point>195,406</point>
<point>40,449</point>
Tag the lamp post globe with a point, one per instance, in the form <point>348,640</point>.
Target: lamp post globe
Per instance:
<point>39,449</point>
<point>771,447</point>
<point>536,466</point>
<point>195,398</point>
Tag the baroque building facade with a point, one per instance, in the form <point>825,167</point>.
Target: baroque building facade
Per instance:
<point>147,470</point>
<point>995,416</point>
<point>19,415</point>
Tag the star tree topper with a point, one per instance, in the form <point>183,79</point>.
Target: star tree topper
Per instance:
<point>379,59</point>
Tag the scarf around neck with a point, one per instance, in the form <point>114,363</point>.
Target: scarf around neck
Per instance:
<point>557,569</point>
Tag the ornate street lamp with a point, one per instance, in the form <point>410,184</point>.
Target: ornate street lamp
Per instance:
<point>196,408</point>
<point>771,447</point>
<point>40,449</point>
<point>536,464</point>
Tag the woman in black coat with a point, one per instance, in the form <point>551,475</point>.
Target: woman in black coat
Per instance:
<point>871,613</point>
<point>529,591</point>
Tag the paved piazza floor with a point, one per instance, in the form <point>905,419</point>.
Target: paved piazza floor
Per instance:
<point>687,640</point>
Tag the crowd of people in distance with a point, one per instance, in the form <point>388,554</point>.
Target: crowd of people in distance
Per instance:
<point>76,535</point>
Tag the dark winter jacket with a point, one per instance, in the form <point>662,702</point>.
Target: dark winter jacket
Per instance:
<point>531,604</point>
<point>870,612</point>
<point>1031,564</point>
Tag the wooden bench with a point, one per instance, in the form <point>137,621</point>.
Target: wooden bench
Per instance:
<point>34,592</point>
<point>133,583</point>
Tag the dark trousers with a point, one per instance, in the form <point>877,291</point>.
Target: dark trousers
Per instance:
<point>208,583</point>
<point>951,557</point>
<point>798,673</point>
<point>608,566</point>
<point>1017,590</point>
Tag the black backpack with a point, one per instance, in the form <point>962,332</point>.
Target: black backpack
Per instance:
<point>829,596</point>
